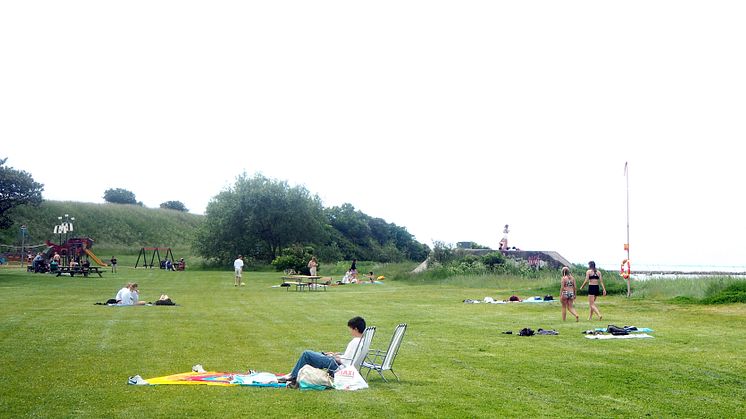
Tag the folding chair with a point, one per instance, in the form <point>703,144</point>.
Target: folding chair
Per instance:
<point>363,347</point>
<point>381,361</point>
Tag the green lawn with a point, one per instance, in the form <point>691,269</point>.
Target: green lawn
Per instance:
<point>63,356</point>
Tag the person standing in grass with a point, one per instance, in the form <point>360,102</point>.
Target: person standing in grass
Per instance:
<point>312,265</point>
<point>238,269</point>
<point>567,294</point>
<point>593,279</point>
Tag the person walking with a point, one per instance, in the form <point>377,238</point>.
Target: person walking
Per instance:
<point>568,294</point>
<point>238,269</point>
<point>593,279</point>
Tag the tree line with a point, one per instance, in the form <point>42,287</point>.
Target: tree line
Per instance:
<point>263,218</point>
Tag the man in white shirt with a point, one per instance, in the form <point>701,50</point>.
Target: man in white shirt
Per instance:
<point>330,361</point>
<point>238,268</point>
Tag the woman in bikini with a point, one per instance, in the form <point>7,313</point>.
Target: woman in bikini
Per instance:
<point>567,294</point>
<point>593,279</point>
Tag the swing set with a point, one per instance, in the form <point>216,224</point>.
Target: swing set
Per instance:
<point>156,252</point>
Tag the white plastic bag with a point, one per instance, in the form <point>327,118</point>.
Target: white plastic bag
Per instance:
<point>348,378</point>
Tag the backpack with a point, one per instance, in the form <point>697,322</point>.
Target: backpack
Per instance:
<point>526,332</point>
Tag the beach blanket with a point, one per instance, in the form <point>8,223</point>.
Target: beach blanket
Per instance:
<point>212,378</point>
<point>630,336</point>
<point>628,329</point>
<point>537,300</point>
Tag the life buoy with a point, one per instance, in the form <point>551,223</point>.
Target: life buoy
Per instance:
<point>625,272</point>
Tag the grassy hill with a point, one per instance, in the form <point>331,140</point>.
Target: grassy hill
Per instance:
<point>111,226</point>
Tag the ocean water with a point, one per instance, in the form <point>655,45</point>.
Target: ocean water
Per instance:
<point>645,272</point>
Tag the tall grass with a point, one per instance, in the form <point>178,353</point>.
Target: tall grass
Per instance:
<point>692,288</point>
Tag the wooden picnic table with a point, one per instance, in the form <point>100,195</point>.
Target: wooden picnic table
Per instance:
<point>310,282</point>
<point>79,270</point>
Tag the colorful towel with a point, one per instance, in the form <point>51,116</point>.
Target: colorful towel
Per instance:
<point>630,336</point>
<point>212,378</point>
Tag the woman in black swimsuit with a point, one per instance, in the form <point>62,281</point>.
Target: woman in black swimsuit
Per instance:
<point>593,279</point>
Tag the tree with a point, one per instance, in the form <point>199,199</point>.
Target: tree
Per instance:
<point>119,196</point>
<point>257,217</point>
<point>17,187</point>
<point>174,205</point>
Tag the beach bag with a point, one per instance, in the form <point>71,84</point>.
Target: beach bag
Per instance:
<point>348,378</point>
<point>310,378</point>
<point>616,330</point>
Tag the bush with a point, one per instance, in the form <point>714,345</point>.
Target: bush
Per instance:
<point>732,293</point>
<point>493,259</point>
<point>296,258</point>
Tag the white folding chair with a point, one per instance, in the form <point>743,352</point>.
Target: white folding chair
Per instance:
<point>381,361</point>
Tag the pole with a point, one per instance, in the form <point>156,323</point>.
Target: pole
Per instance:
<point>626,176</point>
<point>23,245</point>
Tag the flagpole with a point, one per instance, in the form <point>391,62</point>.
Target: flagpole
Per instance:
<point>626,176</point>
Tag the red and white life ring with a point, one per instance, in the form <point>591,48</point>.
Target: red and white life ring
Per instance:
<point>625,273</point>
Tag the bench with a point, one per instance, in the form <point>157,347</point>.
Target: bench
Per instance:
<point>79,270</point>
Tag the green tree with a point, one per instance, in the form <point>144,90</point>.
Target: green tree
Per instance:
<point>17,187</point>
<point>174,205</point>
<point>257,217</point>
<point>120,196</point>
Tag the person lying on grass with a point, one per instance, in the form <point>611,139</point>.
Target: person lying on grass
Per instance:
<point>331,361</point>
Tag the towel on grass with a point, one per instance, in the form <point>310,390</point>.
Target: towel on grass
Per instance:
<point>212,378</point>
<point>630,336</point>
<point>636,330</point>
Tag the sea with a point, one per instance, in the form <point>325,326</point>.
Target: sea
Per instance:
<point>643,272</point>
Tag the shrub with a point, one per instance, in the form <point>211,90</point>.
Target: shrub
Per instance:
<point>295,257</point>
<point>493,259</point>
<point>732,293</point>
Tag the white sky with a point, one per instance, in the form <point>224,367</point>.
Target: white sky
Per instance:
<point>448,118</point>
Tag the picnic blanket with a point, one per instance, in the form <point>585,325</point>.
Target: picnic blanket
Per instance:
<point>628,329</point>
<point>213,378</point>
<point>537,300</point>
<point>630,336</point>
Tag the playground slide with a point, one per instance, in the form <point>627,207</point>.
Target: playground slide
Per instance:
<point>49,252</point>
<point>94,257</point>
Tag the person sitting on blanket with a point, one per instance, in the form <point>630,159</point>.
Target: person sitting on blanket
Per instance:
<point>120,294</point>
<point>132,298</point>
<point>330,361</point>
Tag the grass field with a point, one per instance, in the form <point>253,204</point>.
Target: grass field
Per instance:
<point>63,356</point>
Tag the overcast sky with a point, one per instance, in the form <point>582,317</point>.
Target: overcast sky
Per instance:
<point>448,118</point>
